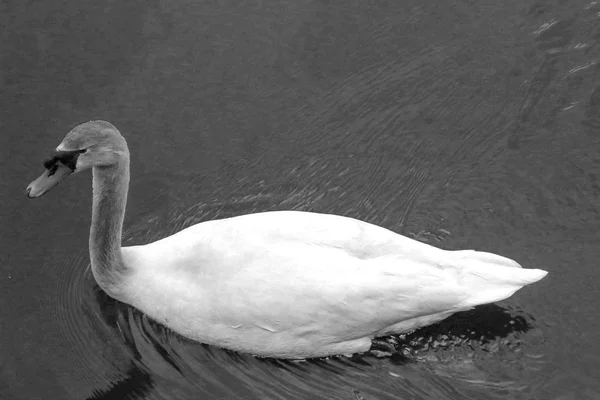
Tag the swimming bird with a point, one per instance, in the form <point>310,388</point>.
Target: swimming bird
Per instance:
<point>283,284</point>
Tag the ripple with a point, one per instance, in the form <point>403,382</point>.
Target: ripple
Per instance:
<point>71,319</point>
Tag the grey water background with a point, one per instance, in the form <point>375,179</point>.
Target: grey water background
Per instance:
<point>463,124</point>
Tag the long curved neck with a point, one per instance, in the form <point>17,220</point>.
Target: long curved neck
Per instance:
<point>110,186</point>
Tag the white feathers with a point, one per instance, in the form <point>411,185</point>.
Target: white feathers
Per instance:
<point>295,284</point>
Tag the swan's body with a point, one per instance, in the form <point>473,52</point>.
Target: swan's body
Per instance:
<point>282,284</point>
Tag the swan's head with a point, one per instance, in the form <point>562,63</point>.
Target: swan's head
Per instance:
<point>92,144</point>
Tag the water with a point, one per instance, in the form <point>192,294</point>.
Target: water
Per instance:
<point>463,124</point>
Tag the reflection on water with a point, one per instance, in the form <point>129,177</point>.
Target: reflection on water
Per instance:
<point>136,384</point>
<point>461,124</point>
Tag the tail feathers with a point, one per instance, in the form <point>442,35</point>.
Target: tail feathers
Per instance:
<point>488,278</point>
<point>483,257</point>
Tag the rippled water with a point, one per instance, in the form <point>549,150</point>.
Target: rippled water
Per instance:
<point>462,124</point>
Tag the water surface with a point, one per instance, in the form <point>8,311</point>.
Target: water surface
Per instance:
<point>462,124</point>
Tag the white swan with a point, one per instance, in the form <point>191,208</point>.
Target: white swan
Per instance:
<point>283,284</point>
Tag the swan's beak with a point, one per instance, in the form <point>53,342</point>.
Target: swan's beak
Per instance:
<point>58,167</point>
<point>50,178</point>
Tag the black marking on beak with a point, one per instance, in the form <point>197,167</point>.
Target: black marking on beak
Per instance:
<point>66,158</point>
<point>52,169</point>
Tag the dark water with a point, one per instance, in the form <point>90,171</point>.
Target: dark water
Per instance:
<point>464,124</point>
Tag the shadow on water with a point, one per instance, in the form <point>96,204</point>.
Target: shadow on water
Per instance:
<point>135,385</point>
<point>483,326</point>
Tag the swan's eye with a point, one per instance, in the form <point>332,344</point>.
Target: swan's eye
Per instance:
<point>82,151</point>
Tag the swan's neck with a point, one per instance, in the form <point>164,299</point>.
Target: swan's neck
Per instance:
<point>110,186</point>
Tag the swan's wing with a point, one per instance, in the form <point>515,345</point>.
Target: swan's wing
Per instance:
<point>360,239</point>
<point>294,272</point>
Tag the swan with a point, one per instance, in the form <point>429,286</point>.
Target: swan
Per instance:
<point>282,284</point>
